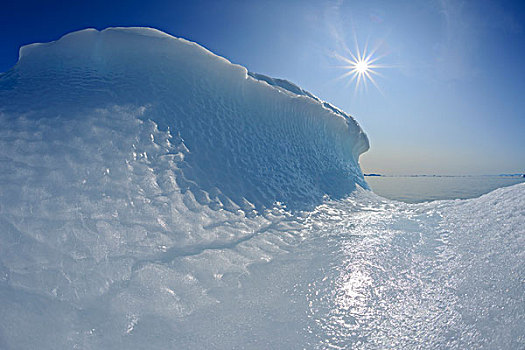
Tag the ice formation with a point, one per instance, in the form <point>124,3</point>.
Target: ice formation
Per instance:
<point>154,195</point>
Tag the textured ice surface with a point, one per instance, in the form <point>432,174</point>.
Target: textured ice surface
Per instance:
<point>153,195</point>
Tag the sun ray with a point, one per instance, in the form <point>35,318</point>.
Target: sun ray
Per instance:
<point>373,72</point>
<point>364,56</point>
<point>344,75</point>
<point>373,51</point>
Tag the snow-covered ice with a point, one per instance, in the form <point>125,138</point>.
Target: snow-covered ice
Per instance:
<point>154,195</point>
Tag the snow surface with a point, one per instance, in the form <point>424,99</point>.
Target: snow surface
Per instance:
<point>153,195</point>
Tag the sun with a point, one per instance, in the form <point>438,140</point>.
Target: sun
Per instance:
<point>361,67</point>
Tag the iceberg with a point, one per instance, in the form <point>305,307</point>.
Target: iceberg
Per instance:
<point>155,195</point>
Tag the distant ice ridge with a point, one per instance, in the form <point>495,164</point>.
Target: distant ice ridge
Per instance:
<point>153,195</point>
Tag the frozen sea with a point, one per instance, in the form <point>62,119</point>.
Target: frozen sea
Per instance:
<point>417,189</point>
<point>155,196</point>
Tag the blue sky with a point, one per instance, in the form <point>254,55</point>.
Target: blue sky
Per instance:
<point>450,101</point>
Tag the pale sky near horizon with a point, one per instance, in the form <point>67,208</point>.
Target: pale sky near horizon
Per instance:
<point>449,102</point>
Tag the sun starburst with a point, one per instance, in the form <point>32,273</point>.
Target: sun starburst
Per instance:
<point>361,67</point>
